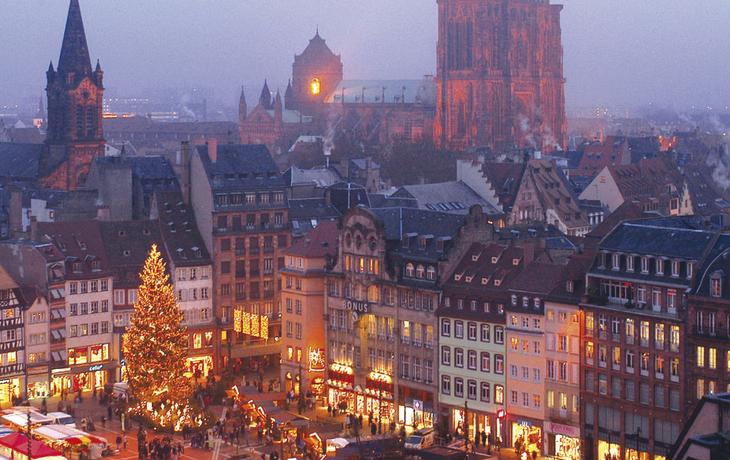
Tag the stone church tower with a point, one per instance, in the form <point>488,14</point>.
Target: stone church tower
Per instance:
<point>315,73</point>
<point>500,74</point>
<point>75,98</point>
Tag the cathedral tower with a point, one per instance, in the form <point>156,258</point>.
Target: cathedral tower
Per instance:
<point>500,74</point>
<point>75,99</point>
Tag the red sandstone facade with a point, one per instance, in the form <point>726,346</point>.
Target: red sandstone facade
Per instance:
<point>500,74</point>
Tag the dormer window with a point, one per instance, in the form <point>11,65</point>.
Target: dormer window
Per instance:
<point>475,257</point>
<point>485,280</point>
<point>716,285</point>
<point>422,243</point>
<point>602,260</point>
<point>525,302</point>
<point>644,265</point>
<point>675,268</point>
<point>616,261</point>
<point>440,245</point>
<point>569,286</point>
<point>431,273</point>
<point>515,262</point>
<point>537,303</point>
<point>95,265</point>
<point>497,282</point>
<point>690,269</point>
<point>409,270</point>
<point>495,260</point>
<point>660,266</point>
<point>460,304</point>
<point>468,279</point>
<point>629,263</point>
<point>420,271</point>
<point>514,300</point>
<point>405,241</point>
<point>447,302</point>
<point>457,277</point>
<point>76,267</point>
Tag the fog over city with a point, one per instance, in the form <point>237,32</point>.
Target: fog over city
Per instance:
<point>670,53</point>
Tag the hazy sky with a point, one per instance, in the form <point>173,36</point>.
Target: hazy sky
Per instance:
<point>617,52</point>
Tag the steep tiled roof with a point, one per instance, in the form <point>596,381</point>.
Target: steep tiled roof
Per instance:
<point>662,238</point>
<point>20,161</point>
<point>79,241</point>
<point>322,240</point>
<point>537,278</point>
<point>505,179</point>
<point>241,167</point>
<point>453,197</point>
<point>183,243</point>
<point>127,246</point>
<point>716,263</point>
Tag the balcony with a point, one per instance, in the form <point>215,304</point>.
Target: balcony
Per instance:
<point>629,340</point>
<point>659,345</point>
<point>630,369</point>
<point>644,342</point>
<point>645,372</point>
<point>674,347</point>
<point>659,375</point>
<point>268,271</point>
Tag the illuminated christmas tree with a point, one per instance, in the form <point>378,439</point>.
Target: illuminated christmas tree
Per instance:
<point>155,349</point>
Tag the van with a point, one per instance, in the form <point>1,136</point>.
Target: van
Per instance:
<point>120,390</point>
<point>420,439</point>
<point>61,418</point>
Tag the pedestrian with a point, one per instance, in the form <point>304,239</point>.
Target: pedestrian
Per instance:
<point>125,441</point>
<point>260,434</point>
<point>247,429</point>
<point>119,443</point>
<point>103,421</point>
<point>109,412</point>
<point>373,429</point>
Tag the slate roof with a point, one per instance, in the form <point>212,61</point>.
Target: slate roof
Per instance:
<point>716,261</point>
<point>322,240</point>
<point>378,200</point>
<point>505,179</point>
<point>658,237</point>
<point>241,167</point>
<point>317,49</point>
<point>454,197</point>
<point>346,195</point>
<point>402,221</point>
<point>574,271</point>
<point>78,241</point>
<point>127,246</point>
<point>319,177</point>
<point>183,243</point>
<point>20,161</point>
<point>311,208</point>
<point>537,278</point>
<point>415,92</point>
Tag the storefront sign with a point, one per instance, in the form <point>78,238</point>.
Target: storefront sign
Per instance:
<point>524,423</point>
<point>565,430</point>
<point>38,369</point>
<point>96,367</point>
<point>4,381</point>
<point>354,305</point>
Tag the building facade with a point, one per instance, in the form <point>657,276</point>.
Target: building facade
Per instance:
<point>500,74</point>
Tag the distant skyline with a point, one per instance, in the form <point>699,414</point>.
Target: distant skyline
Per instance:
<point>623,53</point>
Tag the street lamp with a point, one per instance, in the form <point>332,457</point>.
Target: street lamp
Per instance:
<point>301,404</point>
<point>380,405</point>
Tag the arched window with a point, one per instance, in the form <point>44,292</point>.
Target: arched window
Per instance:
<point>347,290</point>
<point>431,273</point>
<point>420,271</point>
<point>358,241</point>
<point>409,270</point>
<point>348,239</point>
<point>373,294</point>
<point>358,291</point>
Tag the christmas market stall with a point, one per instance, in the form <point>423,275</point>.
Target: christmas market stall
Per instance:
<point>72,442</point>
<point>18,421</point>
<point>15,446</point>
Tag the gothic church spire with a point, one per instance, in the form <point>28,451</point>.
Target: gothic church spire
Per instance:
<point>74,50</point>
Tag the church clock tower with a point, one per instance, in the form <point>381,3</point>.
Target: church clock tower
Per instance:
<point>75,100</point>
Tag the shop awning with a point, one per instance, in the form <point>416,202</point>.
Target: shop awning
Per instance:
<point>285,417</point>
<point>19,443</point>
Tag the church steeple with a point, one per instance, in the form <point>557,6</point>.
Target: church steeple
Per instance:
<point>265,98</point>
<point>75,93</point>
<point>74,50</point>
<point>242,106</point>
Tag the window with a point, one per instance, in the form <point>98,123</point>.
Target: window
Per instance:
<point>472,331</point>
<point>485,392</point>
<point>700,356</point>
<point>458,386</point>
<point>471,389</point>
<point>486,362</point>
<point>446,356</point>
<point>459,329</point>
<point>446,384</point>
<point>715,286</point>
<point>445,328</point>
<point>499,335</point>
<point>458,357</point>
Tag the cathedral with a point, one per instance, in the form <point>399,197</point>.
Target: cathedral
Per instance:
<point>500,75</point>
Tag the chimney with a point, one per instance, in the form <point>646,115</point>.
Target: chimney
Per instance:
<point>33,228</point>
<point>102,213</point>
<point>213,149</point>
<point>16,212</point>
<point>528,251</point>
<point>328,197</point>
